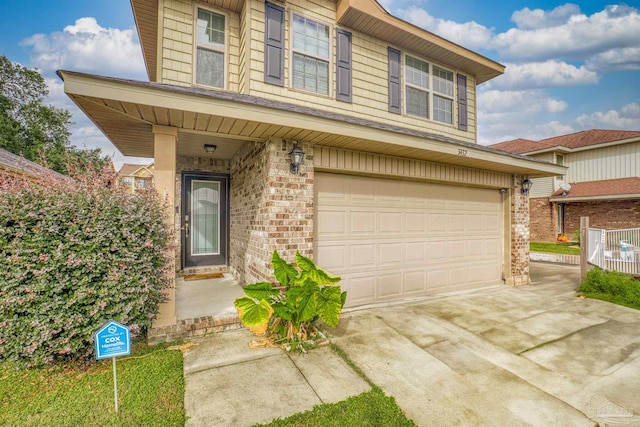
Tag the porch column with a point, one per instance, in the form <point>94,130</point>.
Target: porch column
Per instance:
<point>164,154</point>
<point>519,235</point>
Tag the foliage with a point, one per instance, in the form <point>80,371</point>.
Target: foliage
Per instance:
<point>74,254</point>
<point>372,409</point>
<point>554,248</point>
<point>612,286</point>
<point>575,237</point>
<point>37,131</point>
<point>150,389</point>
<point>307,293</point>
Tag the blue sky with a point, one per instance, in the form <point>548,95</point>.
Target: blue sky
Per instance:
<point>570,66</point>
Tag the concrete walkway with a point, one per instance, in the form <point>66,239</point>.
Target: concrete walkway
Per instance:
<point>533,355</point>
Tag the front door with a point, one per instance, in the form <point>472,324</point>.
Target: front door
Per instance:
<point>205,224</point>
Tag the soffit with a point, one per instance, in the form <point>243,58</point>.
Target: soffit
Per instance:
<point>126,111</point>
<point>370,18</point>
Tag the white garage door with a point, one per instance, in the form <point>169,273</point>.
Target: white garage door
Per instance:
<point>393,240</point>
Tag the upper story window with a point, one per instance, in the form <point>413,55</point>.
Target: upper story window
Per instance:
<point>210,48</point>
<point>429,90</point>
<point>560,159</point>
<point>310,55</point>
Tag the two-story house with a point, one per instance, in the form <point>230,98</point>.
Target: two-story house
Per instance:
<point>602,181</point>
<point>135,177</point>
<point>330,127</point>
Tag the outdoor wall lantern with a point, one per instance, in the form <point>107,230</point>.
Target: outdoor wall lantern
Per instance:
<point>526,186</point>
<point>296,155</point>
<point>210,148</point>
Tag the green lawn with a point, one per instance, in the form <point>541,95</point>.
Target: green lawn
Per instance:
<point>151,393</point>
<point>150,387</point>
<point>612,286</point>
<point>555,248</point>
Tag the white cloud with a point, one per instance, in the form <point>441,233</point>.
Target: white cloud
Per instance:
<point>543,74</point>
<point>88,47</point>
<point>579,38</point>
<point>622,59</point>
<point>386,4</point>
<point>505,115</point>
<point>529,19</point>
<point>469,34</point>
<point>627,118</point>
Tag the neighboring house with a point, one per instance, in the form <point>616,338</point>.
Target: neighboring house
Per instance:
<point>19,166</point>
<point>393,193</point>
<point>602,181</point>
<point>136,177</point>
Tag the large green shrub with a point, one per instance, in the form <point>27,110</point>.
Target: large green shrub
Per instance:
<point>74,254</point>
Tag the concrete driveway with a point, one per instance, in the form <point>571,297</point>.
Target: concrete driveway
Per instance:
<point>532,355</point>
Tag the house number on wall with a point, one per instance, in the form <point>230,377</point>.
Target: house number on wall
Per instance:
<point>462,152</point>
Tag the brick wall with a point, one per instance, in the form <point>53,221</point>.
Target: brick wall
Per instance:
<point>611,215</point>
<point>195,164</point>
<point>543,219</point>
<point>271,208</point>
<point>519,237</point>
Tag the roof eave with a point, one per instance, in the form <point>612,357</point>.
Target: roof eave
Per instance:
<point>605,197</point>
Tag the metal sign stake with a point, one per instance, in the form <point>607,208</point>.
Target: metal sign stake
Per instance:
<point>115,384</point>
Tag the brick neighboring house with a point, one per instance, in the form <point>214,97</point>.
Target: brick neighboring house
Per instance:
<point>393,193</point>
<point>136,177</point>
<point>603,176</point>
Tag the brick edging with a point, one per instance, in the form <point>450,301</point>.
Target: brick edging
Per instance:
<point>555,258</point>
<point>189,328</point>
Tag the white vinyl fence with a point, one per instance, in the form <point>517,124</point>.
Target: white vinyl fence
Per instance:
<point>617,250</point>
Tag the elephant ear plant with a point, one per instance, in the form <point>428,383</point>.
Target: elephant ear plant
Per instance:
<point>287,313</point>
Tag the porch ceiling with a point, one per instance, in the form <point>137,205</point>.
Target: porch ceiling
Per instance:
<point>126,111</point>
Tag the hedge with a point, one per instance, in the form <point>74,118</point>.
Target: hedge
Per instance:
<point>75,253</point>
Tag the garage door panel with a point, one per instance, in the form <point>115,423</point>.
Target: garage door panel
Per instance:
<point>362,255</point>
<point>391,239</point>
<point>389,254</point>
<point>331,223</point>
<point>389,285</point>
<point>415,282</point>
<point>362,223</point>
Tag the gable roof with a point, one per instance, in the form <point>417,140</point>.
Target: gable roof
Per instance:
<point>621,188</point>
<point>128,169</point>
<point>19,165</point>
<point>570,142</point>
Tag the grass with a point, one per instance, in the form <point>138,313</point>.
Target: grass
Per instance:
<point>612,286</point>
<point>554,248</point>
<point>370,409</point>
<point>150,388</point>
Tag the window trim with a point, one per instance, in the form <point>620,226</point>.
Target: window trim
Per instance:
<point>329,59</point>
<point>194,62</point>
<point>430,90</point>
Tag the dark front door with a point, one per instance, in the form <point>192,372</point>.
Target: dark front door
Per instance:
<point>205,213</point>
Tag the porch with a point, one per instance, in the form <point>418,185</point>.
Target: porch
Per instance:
<point>202,307</point>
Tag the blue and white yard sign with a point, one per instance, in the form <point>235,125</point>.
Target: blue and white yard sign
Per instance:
<point>112,340</point>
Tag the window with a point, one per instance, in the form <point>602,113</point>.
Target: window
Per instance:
<point>310,48</point>
<point>559,159</point>
<point>210,48</point>
<point>560,218</point>
<point>420,76</point>
<point>127,181</point>
<point>417,85</point>
<point>143,183</point>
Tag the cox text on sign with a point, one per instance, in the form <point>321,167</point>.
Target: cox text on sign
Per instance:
<point>112,340</point>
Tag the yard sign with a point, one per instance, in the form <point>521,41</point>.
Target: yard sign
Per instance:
<point>113,340</point>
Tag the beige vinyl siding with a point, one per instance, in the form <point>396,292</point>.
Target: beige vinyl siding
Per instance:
<point>369,56</point>
<point>177,44</point>
<point>619,161</point>
<point>347,161</point>
<point>543,187</point>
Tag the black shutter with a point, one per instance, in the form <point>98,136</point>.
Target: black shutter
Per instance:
<point>343,65</point>
<point>274,44</point>
<point>394,80</point>
<point>462,102</point>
